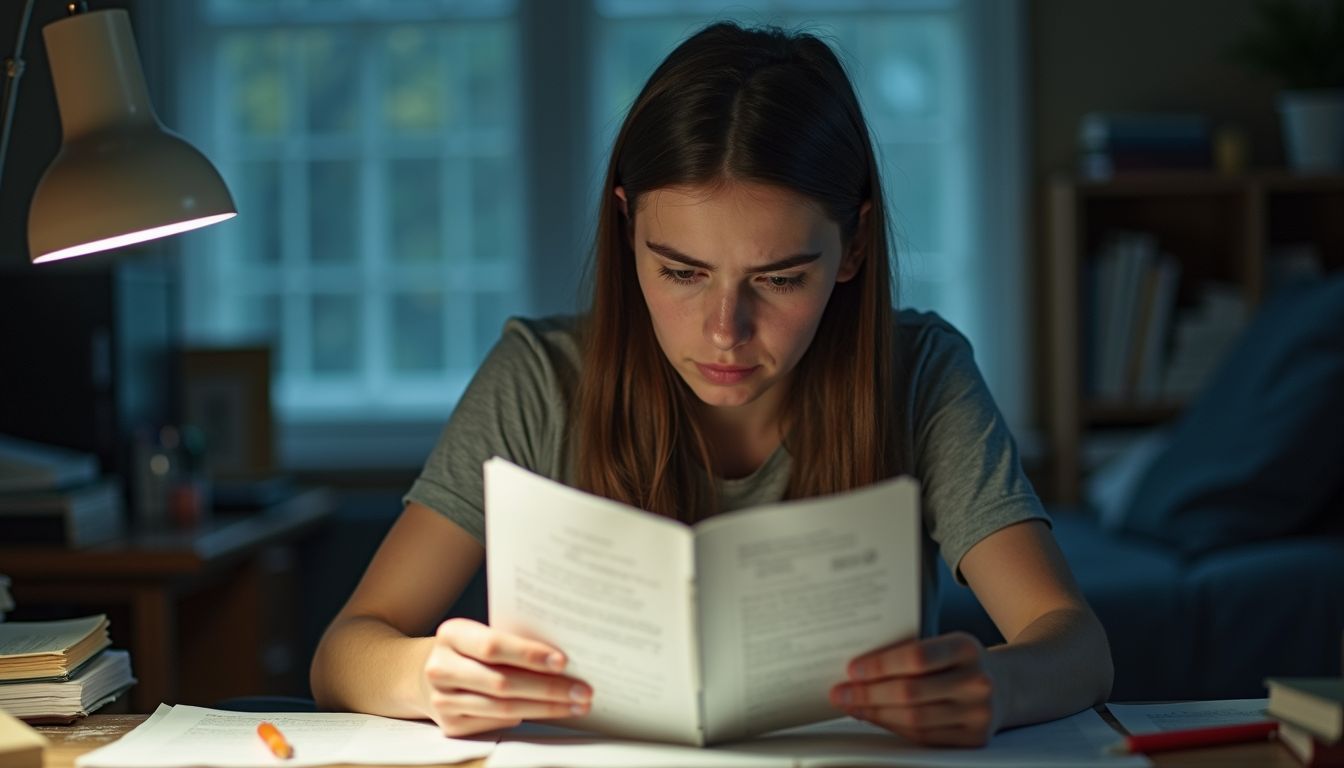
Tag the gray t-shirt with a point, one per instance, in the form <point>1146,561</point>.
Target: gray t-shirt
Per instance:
<point>517,406</point>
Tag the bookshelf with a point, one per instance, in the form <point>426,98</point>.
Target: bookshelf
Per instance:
<point>1220,230</point>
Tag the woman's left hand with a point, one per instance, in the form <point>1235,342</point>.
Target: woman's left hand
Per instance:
<point>935,691</point>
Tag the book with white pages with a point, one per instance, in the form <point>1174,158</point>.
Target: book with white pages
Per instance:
<point>735,626</point>
<point>52,650</point>
<point>97,683</point>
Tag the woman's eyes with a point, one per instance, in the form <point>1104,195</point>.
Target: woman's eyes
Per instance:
<point>776,283</point>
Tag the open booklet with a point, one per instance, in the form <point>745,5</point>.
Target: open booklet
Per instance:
<point>735,626</point>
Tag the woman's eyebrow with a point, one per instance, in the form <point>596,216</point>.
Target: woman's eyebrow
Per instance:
<point>788,262</point>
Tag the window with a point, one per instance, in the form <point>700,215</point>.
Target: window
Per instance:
<point>372,149</point>
<point>384,154</point>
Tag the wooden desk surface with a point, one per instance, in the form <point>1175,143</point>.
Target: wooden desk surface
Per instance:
<point>200,610</point>
<point>169,553</point>
<point>68,742</point>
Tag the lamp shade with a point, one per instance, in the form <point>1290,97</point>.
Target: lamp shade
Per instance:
<point>120,177</point>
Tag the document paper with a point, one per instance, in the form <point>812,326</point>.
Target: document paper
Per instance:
<point>1076,741</point>
<point>181,736</point>
<point>736,626</point>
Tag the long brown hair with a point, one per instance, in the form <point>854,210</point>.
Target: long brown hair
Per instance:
<point>766,106</point>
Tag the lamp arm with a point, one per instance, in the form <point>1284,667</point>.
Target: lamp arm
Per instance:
<point>13,71</point>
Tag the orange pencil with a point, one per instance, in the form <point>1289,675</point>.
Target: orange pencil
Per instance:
<point>275,740</point>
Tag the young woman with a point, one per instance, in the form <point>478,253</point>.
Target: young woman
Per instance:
<point>741,348</point>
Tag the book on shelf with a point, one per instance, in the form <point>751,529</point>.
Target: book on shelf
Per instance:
<point>1128,323</point>
<point>1201,337</point>
<point>1309,749</point>
<point>1113,143</point>
<point>96,683</point>
<point>1314,704</point>
<point>735,626</point>
<point>79,516</point>
<point>50,650</point>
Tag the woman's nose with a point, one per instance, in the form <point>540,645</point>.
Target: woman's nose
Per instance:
<point>729,322</point>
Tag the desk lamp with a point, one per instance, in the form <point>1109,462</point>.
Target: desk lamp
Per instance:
<point>120,177</point>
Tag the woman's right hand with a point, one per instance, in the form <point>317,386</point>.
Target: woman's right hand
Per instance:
<point>477,679</point>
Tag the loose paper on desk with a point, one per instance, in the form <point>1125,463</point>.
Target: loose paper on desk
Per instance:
<point>176,737</point>
<point>700,634</point>
<point>1073,741</point>
<point>1153,718</point>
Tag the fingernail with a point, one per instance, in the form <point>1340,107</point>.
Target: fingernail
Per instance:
<point>862,668</point>
<point>846,696</point>
<point>555,661</point>
<point>578,693</point>
<point>578,709</point>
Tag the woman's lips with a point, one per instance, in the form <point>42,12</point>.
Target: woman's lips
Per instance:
<point>725,374</point>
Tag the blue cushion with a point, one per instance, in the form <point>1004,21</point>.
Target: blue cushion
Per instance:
<point>1258,453</point>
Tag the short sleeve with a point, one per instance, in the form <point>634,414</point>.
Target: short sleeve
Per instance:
<point>963,453</point>
<point>514,407</point>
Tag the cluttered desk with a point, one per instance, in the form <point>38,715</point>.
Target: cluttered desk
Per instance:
<point>1072,741</point>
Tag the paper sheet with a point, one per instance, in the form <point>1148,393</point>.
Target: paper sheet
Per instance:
<point>192,736</point>
<point>1073,741</point>
<point>1151,718</point>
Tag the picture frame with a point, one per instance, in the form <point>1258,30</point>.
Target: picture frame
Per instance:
<point>226,393</point>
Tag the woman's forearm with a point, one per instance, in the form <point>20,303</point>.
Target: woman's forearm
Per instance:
<point>363,664</point>
<point>1060,664</point>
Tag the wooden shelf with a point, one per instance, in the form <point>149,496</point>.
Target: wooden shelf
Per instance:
<point>1221,228</point>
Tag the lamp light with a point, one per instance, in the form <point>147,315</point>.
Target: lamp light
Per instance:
<point>120,177</point>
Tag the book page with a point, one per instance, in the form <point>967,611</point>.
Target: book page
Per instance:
<point>790,593</point>
<point>607,584</point>
<point>36,638</point>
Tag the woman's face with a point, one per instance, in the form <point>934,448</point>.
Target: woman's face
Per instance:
<point>736,277</point>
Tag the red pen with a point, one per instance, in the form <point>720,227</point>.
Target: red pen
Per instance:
<point>1163,741</point>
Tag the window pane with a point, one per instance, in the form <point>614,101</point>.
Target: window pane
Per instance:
<point>256,6</point>
<point>417,332</point>
<point>253,72</point>
<point>333,212</point>
<point>261,322</point>
<point>913,180</point>
<point>494,201</point>
<point>414,206</point>
<point>413,88</point>
<point>336,334</point>
<point>330,69</point>
<point>256,190</point>
<point>490,75</point>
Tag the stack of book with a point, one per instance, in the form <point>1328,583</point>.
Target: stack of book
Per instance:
<point>1129,320</point>
<point>59,671</point>
<point>1310,711</point>
<point>1202,336</point>
<point>54,496</point>
<point>1112,144</point>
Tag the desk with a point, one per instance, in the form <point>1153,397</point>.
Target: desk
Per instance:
<point>205,613</point>
<point>68,742</point>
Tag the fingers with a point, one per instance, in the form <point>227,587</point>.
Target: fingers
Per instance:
<point>482,679</point>
<point>460,672</point>
<point>967,685</point>
<point>466,703</point>
<point>917,657</point>
<point>492,646</point>
<point>454,726</point>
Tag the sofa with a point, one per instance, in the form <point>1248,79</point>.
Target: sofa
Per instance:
<point>1213,552</point>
